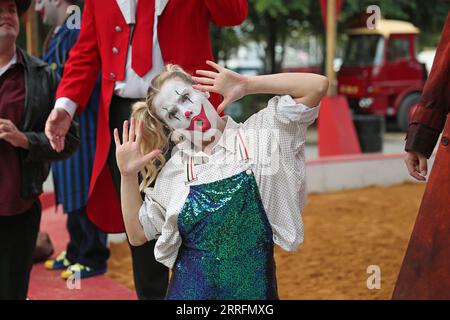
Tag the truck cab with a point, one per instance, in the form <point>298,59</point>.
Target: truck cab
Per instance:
<point>380,73</point>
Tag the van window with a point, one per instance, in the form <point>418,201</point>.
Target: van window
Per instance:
<point>398,49</point>
<point>364,50</point>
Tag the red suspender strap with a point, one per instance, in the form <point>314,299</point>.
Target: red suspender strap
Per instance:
<point>190,172</point>
<point>242,147</point>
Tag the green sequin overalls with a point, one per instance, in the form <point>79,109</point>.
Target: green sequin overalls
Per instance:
<point>227,243</point>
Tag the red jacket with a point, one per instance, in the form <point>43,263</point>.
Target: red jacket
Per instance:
<point>183,33</point>
<point>425,271</point>
<point>431,113</point>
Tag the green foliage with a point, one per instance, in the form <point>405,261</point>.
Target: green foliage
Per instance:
<point>271,23</point>
<point>225,41</point>
<point>428,16</point>
<point>274,23</point>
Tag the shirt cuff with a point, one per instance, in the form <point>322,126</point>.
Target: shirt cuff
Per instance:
<point>420,138</point>
<point>67,104</point>
<point>287,110</point>
<point>150,217</point>
<point>146,223</point>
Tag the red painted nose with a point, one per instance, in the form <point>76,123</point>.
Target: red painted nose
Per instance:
<point>188,114</point>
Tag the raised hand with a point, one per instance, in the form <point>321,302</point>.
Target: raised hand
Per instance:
<point>128,153</point>
<point>56,128</point>
<point>231,85</point>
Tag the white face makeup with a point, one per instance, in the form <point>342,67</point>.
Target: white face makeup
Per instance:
<point>187,111</point>
<point>48,9</point>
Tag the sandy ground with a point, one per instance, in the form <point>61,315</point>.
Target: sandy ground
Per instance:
<point>345,233</point>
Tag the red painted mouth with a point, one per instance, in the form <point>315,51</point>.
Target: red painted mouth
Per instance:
<point>200,122</point>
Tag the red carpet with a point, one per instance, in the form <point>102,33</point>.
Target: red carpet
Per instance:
<point>47,285</point>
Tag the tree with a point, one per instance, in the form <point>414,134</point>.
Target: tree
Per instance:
<point>270,23</point>
<point>428,16</point>
<point>225,41</point>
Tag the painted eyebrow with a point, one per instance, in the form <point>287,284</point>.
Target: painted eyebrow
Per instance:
<point>185,91</point>
<point>168,113</point>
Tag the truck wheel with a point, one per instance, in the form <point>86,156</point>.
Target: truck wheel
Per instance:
<point>405,110</point>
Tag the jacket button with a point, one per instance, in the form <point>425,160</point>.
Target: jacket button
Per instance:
<point>118,29</point>
<point>444,141</point>
<point>115,50</point>
<point>113,75</point>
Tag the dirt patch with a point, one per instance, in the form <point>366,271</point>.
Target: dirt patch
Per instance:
<point>345,232</point>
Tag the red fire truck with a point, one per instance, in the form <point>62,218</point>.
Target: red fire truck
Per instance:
<point>380,73</point>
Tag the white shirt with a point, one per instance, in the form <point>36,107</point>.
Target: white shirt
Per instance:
<point>8,65</point>
<point>133,86</point>
<point>57,28</point>
<point>275,138</point>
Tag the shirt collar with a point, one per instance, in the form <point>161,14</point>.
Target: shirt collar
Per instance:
<point>57,29</point>
<point>16,59</point>
<point>226,141</point>
<point>128,9</point>
<point>160,5</point>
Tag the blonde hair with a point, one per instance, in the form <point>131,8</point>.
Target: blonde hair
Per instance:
<point>154,135</point>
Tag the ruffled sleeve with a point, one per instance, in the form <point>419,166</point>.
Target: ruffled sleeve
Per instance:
<point>276,136</point>
<point>158,214</point>
<point>292,119</point>
<point>151,216</point>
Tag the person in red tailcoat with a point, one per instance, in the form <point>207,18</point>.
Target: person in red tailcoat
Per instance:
<point>425,272</point>
<point>129,42</point>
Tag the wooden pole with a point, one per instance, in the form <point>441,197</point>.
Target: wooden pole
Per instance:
<point>331,46</point>
<point>31,29</point>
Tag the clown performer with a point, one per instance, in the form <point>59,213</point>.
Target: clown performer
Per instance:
<point>229,191</point>
<point>87,252</point>
<point>129,42</point>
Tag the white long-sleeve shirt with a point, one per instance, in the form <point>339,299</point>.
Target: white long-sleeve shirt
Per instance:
<point>133,86</point>
<point>275,138</point>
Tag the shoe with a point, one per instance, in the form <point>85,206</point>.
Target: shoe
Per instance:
<point>82,271</point>
<point>60,263</point>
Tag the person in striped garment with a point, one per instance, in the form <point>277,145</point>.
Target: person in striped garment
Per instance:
<point>87,252</point>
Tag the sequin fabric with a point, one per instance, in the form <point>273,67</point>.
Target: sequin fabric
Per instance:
<point>275,137</point>
<point>227,246</point>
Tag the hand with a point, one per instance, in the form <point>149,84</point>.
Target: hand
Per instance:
<point>128,154</point>
<point>417,165</point>
<point>231,85</point>
<point>56,128</point>
<point>10,133</point>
